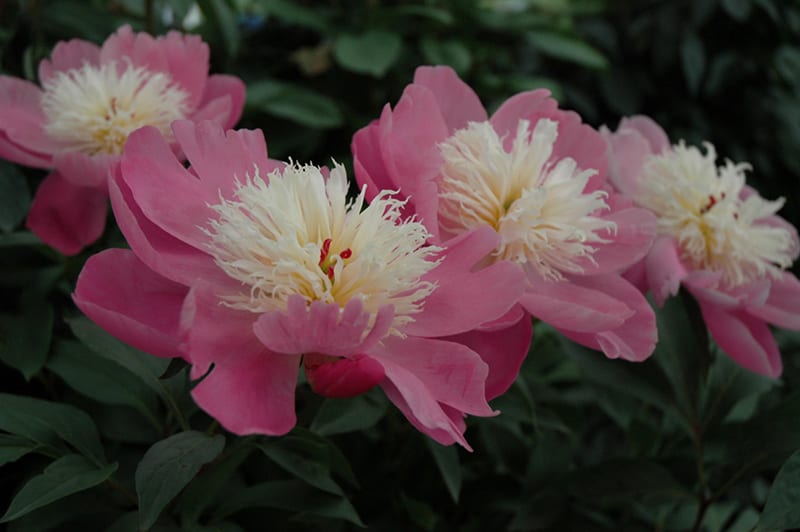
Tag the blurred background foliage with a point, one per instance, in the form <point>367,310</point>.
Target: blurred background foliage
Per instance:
<point>97,435</point>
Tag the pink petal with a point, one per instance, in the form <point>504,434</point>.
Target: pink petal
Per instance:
<point>368,164</point>
<point>580,142</point>
<point>213,333</point>
<point>746,339</point>
<point>322,328</point>
<point>149,167</point>
<point>460,303</point>
<point>450,372</point>
<point>161,251</point>
<point>67,217</point>
<point>132,302</point>
<point>457,102</point>
<point>782,307</point>
<point>665,271</point>
<point>635,339</point>
<point>22,136</point>
<point>522,106</point>
<point>707,286</point>
<point>224,88</point>
<point>630,243</point>
<point>649,129</point>
<point>628,152</point>
<point>342,377</point>
<point>574,306</point>
<point>187,62</point>
<point>503,350</point>
<point>84,170</point>
<point>68,55</point>
<point>251,393</point>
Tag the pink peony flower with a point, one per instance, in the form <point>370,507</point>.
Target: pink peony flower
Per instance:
<point>91,99</point>
<point>256,267</point>
<point>716,237</point>
<point>532,174</point>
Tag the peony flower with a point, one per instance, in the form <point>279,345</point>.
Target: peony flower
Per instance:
<point>535,176</point>
<point>716,237</point>
<point>256,268</point>
<point>91,99</point>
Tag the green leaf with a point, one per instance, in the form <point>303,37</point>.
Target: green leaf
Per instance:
<point>339,416</point>
<point>295,13</point>
<point>787,63</point>
<point>45,422</point>
<point>25,338</point>
<point>222,18</point>
<point>304,458</point>
<point>738,10</point>
<point>103,380</point>
<point>168,466</point>
<point>290,495</point>
<point>450,52</point>
<point>67,475</point>
<point>294,103</point>
<point>623,479</point>
<point>568,48</point>
<point>20,238</point>
<point>693,59</point>
<point>13,447</point>
<point>449,466</point>
<point>782,511</point>
<point>373,52</point>
<point>14,197</point>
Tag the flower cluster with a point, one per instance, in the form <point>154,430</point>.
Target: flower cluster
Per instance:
<point>465,229</point>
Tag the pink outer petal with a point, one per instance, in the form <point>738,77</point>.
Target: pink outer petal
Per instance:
<point>158,249</point>
<point>649,129</point>
<point>149,168</point>
<point>460,301</point>
<point>706,286</point>
<point>126,298</point>
<point>342,377</point>
<point>409,144</point>
<point>635,339</point>
<point>67,217</point>
<point>575,305</point>
<point>503,350</point>
<point>322,328</point>
<point>457,101</point>
<point>782,307</point>
<point>368,165</point>
<point>227,90</point>
<point>22,137</point>
<point>744,338</point>
<point>251,393</point>
<point>213,333</point>
<point>664,268</point>
<point>522,106</point>
<point>84,170</point>
<point>220,158</point>
<point>67,55</point>
<point>628,151</point>
<point>636,229</point>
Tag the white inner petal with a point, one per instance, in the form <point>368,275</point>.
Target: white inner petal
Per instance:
<point>94,109</point>
<point>536,204</point>
<point>296,233</point>
<point>701,205</point>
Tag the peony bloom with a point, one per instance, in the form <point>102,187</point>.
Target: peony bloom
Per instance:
<point>256,268</point>
<point>535,176</point>
<point>716,236</point>
<point>90,100</point>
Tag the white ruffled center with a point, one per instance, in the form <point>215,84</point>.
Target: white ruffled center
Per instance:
<point>296,233</point>
<point>538,206</point>
<point>701,205</point>
<point>93,109</point>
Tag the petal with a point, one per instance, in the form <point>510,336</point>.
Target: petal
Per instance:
<point>213,333</point>
<point>460,303</point>
<point>22,136</point>
<point>342,377</point>
<point>522,106</point>
<point>67,217</point>
<point>782,307</point>
<point>84,170</point>
<point>457,102</point>
<point>503,350</point>
<point>746,339</point>
<point>665,271</point>
<point>322,328</point>
<point>628,151</point>
<point>230,89</point>
<point>633,340</point>
<point>67,55</point>
<point>251,393</point>
<point>649,129</point>
<point>368,165</point>
<point>130,301</point>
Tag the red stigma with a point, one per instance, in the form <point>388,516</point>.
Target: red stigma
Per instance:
<point>346,254</point>
<point>323,253</point>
